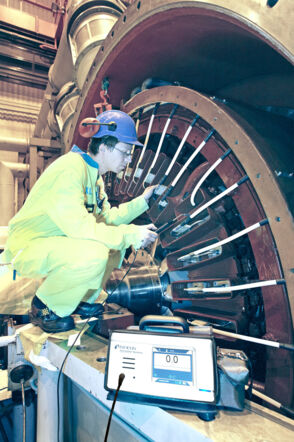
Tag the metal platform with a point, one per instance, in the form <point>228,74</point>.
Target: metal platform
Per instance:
<point>85,408</point>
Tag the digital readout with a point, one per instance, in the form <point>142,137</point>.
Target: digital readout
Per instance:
<point>172,366</point>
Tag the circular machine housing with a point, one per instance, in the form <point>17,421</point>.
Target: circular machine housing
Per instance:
<point>89,24</point>
<point>64,109</point>
<point>230,64</point>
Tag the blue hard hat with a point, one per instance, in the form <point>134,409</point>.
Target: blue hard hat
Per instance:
<point>123,128</point>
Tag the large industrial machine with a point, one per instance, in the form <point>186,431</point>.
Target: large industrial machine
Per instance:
<point>210,86</point>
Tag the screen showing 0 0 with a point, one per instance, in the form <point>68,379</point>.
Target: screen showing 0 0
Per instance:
<point>172,366</point>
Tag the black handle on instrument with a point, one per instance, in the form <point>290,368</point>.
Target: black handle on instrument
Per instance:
<point>156,320</point>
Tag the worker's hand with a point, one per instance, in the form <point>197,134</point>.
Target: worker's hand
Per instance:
<point>148,192</point>
<point>148,235</point>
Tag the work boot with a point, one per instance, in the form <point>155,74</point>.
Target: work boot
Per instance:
<point>86,310</point>
<point>47,320</point>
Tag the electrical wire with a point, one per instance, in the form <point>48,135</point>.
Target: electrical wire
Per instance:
<point>24,412</point>
<point>71,347</point>
<point>120,381</point>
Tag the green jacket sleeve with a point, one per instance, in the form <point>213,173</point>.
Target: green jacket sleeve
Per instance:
<point>66,209</point>
<point>123,214</point>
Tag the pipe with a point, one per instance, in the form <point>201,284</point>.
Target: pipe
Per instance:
<point>64,70</point>
<point>61,72</point>
<point>14,144</point>
<point>8,199</point>
<point>38,5</point>
<point>89,23</point>
<point>6,194</point>
<point>19,170</point>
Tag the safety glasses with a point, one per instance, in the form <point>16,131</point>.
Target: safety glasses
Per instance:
<point>125,154</point>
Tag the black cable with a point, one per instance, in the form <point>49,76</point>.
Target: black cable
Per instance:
<point>120,381</point>
<point>24,411</point>
<point>59,376</point>
<point>70,349</point>
<point>250,385</point>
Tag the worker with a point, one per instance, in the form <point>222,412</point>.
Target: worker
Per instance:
<point>67,233</point>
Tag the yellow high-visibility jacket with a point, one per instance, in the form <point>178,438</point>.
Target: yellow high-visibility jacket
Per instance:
<point>56,206</point>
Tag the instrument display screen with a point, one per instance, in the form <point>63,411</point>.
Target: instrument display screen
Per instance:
<point>172,366</point>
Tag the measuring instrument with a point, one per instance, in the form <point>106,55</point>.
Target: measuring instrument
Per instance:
<point>163,365</point>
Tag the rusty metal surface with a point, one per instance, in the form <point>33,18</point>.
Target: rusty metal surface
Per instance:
<point>204,45</point>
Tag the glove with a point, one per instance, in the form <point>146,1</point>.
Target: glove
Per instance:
<point>148,235</point>
<point>148,192</point>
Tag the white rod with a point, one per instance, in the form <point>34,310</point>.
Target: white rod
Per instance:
<point>158,149</point>
<point>208,172</point>
<point>144,148</point>
<point>160,143</point>
<point>213,200</point>
<point>246,338</point>
<point>220,243</point>
<point>179,149</point>
<point>146,138</point>
<point>176,179</point>
<point>233,288</point>
<point>126,172</point>
<point>264,397</point>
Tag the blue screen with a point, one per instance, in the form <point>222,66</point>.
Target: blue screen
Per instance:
<point>173,366</point>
